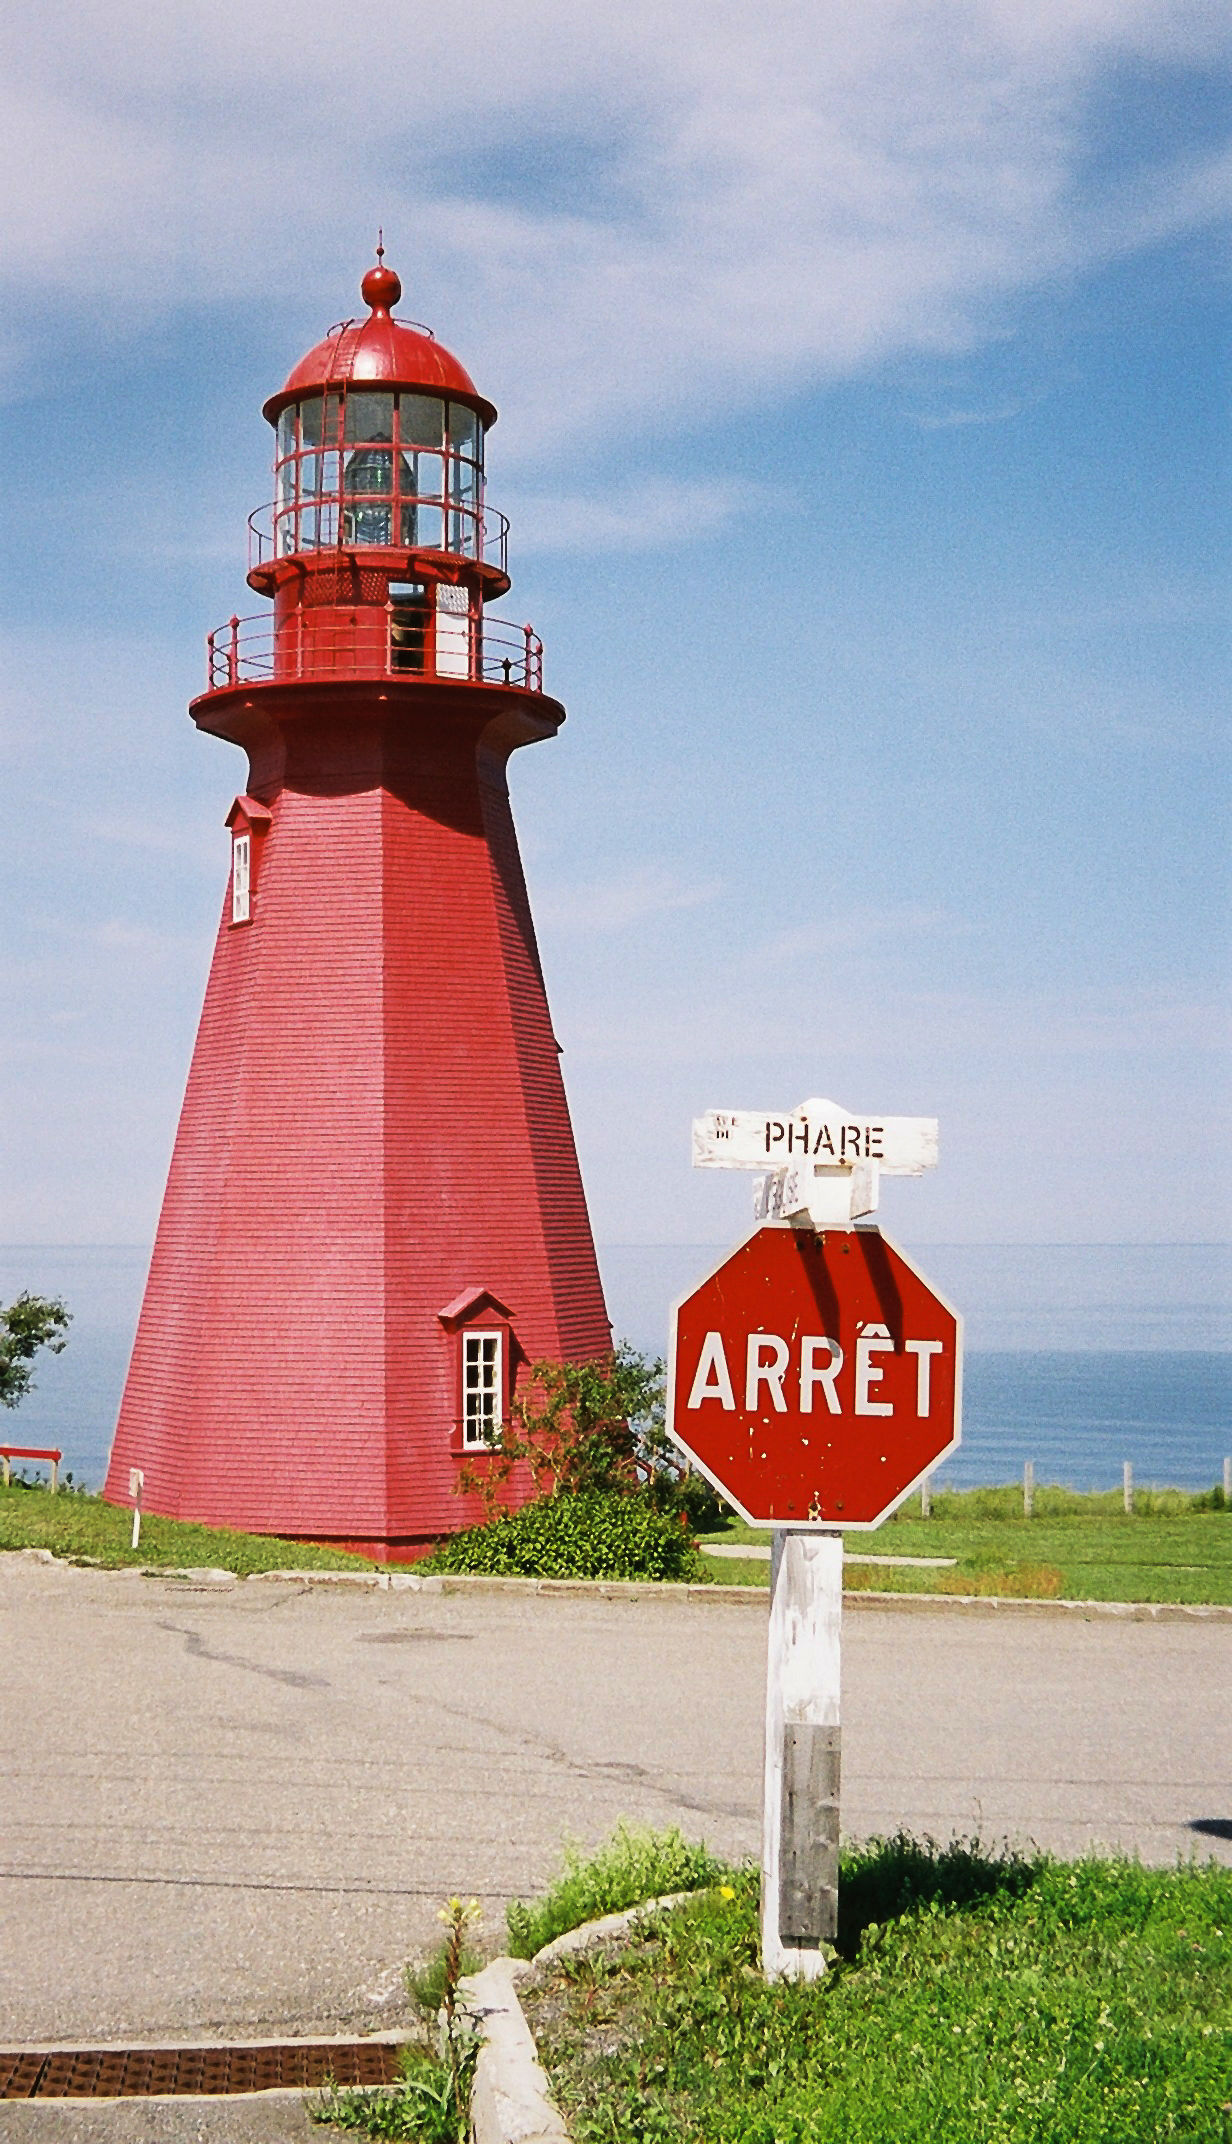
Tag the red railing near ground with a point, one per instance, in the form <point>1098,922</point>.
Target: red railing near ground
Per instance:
<point>51,1455</point>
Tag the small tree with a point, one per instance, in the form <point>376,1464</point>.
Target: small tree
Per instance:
<point>581,1425</point>
<point>31,1322</point>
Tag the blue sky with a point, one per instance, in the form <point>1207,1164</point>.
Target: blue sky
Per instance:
<point>864,432</point>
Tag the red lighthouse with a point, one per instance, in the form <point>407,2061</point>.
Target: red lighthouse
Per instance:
<point>374,1220</point>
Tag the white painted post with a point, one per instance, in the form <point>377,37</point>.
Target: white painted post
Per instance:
<point>5,1463</point>
<point>136,1483</point>
<point>1127,1484</point>
<point>1227,1479</point>
<point>55,1475</point>
<point>926,1499</point>
<point>799,1874</point>
<point>1028,1488</point>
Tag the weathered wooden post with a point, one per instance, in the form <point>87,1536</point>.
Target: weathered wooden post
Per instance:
<point>1028,1488</point>
<point>1127,1485</point>
<point>1227,1478</point>
<point>800,1834</point>
<point>926,1499</point>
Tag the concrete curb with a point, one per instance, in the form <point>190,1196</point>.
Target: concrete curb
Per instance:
<point>610,1589</point>
<point>511,2100</point>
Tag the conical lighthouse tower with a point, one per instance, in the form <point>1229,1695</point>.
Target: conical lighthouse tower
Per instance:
<point>374,1220</point>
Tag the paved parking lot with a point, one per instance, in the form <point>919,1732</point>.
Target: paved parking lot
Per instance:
<point>238,1809</point>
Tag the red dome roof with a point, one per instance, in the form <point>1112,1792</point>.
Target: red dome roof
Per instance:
<point>380,350</point>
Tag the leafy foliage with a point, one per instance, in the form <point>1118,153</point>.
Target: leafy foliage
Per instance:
<point>30,1323</point>
<point>577,1427</point>
<point>980,1999</point>
<point>591,1533</point>
<point>632,1865</point>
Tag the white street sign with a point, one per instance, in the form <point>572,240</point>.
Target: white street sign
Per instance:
<point>818,1132</point>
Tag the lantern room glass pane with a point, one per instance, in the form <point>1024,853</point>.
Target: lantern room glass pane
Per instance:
<point>429,475</point>
<point>286,432</point>
<point>423,420</point>
<point>463,483</point>
<point>422,527</point>
<point>465,436</point>
<point>369,469</point>
<point>463,538</point>
<point>318,476</point>
<point>368,523</point>
<point>369,416</point>
<point>310,422</point>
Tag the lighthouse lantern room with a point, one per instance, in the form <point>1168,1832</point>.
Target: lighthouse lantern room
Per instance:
<point>374,1221</point>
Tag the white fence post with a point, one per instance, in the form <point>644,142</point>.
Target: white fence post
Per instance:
<point>1028,1488</point>
<point>1127,1484</point>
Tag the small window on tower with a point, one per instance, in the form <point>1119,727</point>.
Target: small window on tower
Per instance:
<point>241,878</point>
<point>482,1402</point>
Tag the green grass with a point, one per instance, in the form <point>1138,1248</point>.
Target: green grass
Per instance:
<point>976,1999</point>
<point>1077,1547</point>
<point>632,1865</point>
<point>74,1525</point>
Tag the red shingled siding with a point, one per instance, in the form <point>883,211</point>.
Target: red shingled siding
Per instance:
<point>374,1121</point>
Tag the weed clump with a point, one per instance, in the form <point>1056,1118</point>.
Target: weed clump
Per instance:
<point>634,1864</point>
<point>430,2103</point>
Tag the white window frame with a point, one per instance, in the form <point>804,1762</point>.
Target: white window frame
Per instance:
<point>483,1387</point>
<point>241,878</point>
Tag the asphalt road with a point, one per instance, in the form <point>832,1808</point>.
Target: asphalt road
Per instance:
<point>238,1809</point>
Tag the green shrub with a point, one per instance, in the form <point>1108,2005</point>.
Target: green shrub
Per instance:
<point>591,1534</point>
<point>632,1865</point>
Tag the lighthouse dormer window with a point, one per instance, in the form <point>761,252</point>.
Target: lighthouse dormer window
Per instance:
<point>241,878</point>
<point>482,1386</point>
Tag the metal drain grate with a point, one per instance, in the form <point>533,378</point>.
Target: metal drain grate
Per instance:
<point>139,2072</point>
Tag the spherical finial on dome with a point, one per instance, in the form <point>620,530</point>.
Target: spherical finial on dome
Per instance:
<point>380,288</point>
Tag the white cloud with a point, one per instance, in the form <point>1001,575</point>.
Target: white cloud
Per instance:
<point>612,904</point>
<point>633,515</point>
<point>759,198</point>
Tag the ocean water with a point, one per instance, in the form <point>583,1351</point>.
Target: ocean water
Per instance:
<point>1079,1357</point>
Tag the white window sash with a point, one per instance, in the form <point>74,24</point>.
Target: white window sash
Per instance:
<point>483,1367</point>
<point>241,878</point>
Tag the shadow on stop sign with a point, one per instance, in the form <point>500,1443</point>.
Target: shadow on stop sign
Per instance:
<point>815,1377</point>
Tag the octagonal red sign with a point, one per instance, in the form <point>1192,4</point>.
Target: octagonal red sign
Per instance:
<point>815,1377</point>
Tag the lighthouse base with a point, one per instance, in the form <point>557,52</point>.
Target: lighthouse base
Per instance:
<point>374,1195</point>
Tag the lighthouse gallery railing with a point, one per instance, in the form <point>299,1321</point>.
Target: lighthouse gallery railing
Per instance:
<point>251,651</point>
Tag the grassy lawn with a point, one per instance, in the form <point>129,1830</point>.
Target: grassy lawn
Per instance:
<point>1074,1547</point>
<point>976,2000</point>
<point>74,1525</point>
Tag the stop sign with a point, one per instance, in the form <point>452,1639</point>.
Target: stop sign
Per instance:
<point>815,1378</point>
